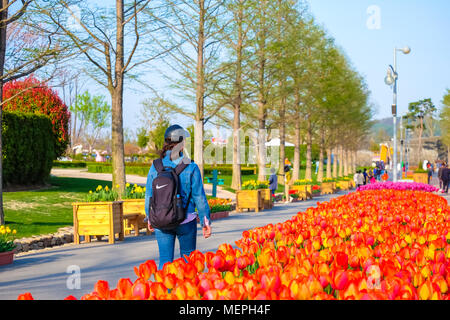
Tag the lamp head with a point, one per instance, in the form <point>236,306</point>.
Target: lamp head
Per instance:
<point>390,77</point>
<point>406,50</point>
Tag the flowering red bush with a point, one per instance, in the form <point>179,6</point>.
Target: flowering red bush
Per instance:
<point>32,96</point>
<point>383,244</point>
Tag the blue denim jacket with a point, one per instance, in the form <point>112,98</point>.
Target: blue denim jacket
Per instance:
<point>190,181</point>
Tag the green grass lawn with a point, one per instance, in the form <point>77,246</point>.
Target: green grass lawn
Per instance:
<point>44,211</point>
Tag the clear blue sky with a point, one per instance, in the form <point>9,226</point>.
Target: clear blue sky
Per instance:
<point>422,25</point>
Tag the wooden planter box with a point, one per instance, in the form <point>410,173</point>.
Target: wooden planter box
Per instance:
<point>6,257</point>
<point>249,199</point>
<point>420,177</point>
<point>328,187</point>
<point>97,219</point>
<point>345,185</point>
<point>304,191</point>
<point>267,198</point>
<point>134,216</point>
<point>217,215</point>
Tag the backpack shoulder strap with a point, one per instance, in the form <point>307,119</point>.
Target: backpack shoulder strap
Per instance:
<point>158,165</point>
<point>180,167</point>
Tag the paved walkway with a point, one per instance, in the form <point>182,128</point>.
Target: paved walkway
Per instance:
<point>133,179</point>
<point>45,274</point>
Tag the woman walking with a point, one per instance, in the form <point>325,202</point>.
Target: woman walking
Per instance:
<point>190,195</point>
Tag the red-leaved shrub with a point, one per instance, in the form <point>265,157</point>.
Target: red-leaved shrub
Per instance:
<point>32,96</point>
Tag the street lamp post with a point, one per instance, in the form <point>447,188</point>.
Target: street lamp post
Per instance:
<point>391,80</point>
<point>401,147</point>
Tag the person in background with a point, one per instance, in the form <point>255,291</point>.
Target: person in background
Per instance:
<point>445,178</point>
<point>369,176</point>
<point>430,171</point>
<point>355,178</point>
<point>365,175</point>
<point>287,169</point>
<point>360,179</point>
<point>372,177</point>
<point>273,182</point>
<point>439,175</point>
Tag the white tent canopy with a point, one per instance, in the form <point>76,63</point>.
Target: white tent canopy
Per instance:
<point>276,143</point>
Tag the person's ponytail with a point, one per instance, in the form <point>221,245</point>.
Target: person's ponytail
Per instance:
<point>168,145</point>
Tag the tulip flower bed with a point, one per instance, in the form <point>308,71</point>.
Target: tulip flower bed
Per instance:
<point>376,244</point>
<point>399,186</point>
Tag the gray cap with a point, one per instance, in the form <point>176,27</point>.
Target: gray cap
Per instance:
<point>176,133</point>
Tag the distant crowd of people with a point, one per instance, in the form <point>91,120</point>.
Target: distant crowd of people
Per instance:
<point>363,177</point>
<point>443,173</point>
<point>378,173</point>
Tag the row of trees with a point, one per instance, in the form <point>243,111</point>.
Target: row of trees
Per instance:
<point>265,65</point>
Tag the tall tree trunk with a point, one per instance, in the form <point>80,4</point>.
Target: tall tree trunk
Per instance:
<point>282,113</point>
<point>117,141</point>
<point>198,144</point>
<point>328,163</point>
<point>282,110</point>
<point>296,164</point>
<point>118,160</point>
<point>345,162</point>
<point>200,90</point>
<point>3,26</point>
<point>335,162</point>
<point>448,154</point>
<point>308,174</point>
<point>262,112</point>
<point>261,125</point>
<point>420,143</point>
<point>341,161</point>
<point>261,147</point>
<point>74,117</point>
<point>236,178</point>
<point>321,157</point>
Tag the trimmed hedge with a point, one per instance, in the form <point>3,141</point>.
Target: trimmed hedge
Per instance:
<point>228,170</point>
<point>103,168</point>
<point>69,164</point>
<point>28,148</point>
<point>142,169</point>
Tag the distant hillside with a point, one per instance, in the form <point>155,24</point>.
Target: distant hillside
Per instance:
<point>385,124</point>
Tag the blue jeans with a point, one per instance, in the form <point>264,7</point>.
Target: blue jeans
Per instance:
<point>187,238</point>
